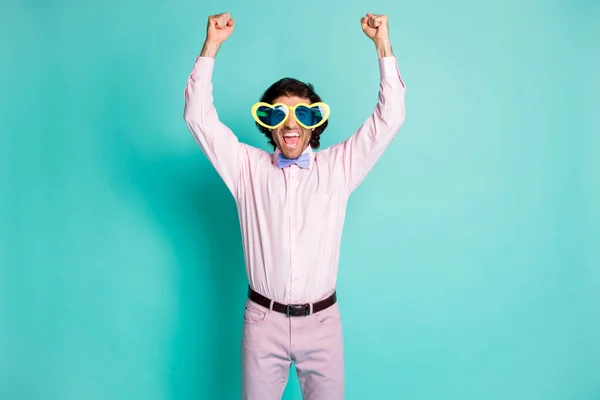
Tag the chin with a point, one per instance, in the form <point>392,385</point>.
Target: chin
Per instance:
<point>290,154</point>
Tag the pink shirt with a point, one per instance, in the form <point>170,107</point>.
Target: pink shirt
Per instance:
<point>292,218</point>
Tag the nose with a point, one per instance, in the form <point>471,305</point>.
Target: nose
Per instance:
<point>290,122</point>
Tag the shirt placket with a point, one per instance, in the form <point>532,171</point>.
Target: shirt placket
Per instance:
<point>293,212</point>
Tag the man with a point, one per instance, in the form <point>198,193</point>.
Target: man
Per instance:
<point>291,207</point>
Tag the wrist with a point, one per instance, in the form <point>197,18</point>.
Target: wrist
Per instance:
<point>210,48</point>
<point>384,47</point>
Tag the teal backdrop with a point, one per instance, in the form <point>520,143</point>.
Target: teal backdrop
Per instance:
<point>470,262</point>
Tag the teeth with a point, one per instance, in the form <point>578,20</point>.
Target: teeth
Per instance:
<point>290,134</point>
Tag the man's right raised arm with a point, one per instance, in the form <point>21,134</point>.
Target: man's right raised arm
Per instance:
<point>216,140</point>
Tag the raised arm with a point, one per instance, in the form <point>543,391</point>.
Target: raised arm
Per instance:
<point>216,140</point>
<point>361,151</point>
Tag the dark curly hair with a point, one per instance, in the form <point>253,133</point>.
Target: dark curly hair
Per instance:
<point>292,87</point>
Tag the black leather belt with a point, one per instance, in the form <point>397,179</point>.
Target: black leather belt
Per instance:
<point>293,310</point>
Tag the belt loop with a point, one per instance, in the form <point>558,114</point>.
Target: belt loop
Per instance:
<point>271,305</point>
<point>311,308</point>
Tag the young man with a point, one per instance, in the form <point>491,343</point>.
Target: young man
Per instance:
<point>291,207</point>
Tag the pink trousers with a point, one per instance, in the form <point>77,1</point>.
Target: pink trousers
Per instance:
<point>272,340</point>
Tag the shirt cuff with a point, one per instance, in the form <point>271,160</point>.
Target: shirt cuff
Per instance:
<point>204,66</point>
<point>388,67</point>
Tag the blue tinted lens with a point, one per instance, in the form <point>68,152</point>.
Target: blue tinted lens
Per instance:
<point>309,116</point>
<point>271,116</point>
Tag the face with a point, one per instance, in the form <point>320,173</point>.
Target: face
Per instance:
<point>291,139</point>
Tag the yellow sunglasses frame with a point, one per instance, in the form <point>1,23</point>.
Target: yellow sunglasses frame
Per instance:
<point>291,111</point>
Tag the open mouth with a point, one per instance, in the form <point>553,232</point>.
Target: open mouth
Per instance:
<point>291,139</point>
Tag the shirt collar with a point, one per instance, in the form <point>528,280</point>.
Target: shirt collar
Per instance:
<point>308,151</point>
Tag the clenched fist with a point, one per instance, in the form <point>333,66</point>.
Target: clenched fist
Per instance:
<point>219,28</point>
<point>375,26</point>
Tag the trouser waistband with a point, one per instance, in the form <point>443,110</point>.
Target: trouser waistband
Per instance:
<point>292,310</point>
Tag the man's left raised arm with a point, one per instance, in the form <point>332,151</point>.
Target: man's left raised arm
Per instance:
<point>361,151</point>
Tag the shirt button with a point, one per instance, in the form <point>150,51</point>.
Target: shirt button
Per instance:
<point>294,224</point>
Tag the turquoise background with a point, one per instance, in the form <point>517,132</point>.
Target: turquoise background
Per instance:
<point>470,257</point>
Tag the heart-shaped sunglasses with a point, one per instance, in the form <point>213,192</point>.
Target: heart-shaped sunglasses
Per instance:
<point>272,116</point>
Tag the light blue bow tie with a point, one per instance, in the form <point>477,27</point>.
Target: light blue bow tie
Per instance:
<point>303,161</point>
